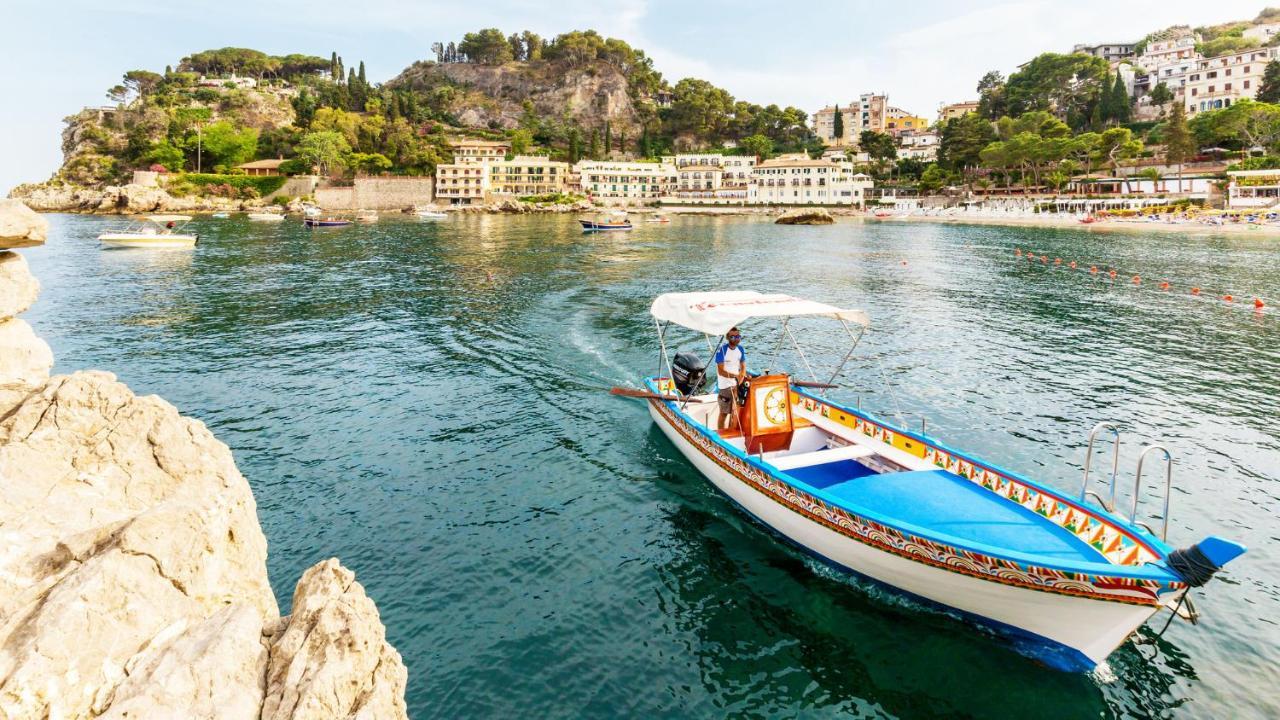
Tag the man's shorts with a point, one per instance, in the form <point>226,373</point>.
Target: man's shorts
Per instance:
<point>727,398</point>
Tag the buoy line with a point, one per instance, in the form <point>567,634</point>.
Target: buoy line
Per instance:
<point>1259,304</point>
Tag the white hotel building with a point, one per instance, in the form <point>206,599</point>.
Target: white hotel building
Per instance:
<point>797,179</point>
<point>1217,82</point>
<point>619,182</point>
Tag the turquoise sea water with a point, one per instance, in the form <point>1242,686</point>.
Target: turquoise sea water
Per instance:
<point>426,401</point>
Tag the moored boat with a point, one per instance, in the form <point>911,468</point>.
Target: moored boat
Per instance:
<point>430,214</point>
<point>612,221</point>
<point>152,231</point>
<point>658,219</point>
<point>266,216</point>
<point>367,216</point>
<point>1067,579</point>
<point>221,215</point>
<point>315,222</point>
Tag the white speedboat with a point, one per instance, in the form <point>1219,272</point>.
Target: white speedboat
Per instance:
<point>311,211</point>
<point>221,215</point>
<point>430,214</point>
<point>1068,580</point>
<point>152,231</point>
<point>266,216</point>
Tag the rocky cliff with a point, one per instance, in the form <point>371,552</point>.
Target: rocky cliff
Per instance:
<point>133,578</point>
<point>498,96</point>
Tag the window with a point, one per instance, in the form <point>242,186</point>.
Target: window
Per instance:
<point>1246,84</point>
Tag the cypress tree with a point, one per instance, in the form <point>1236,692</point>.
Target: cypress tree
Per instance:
<point>363,82</point>
<point>333,66</point>
<point>1120,101</point>
<point>594,151</point>
<point>340,72</point>
<point>838,126</point>
<point>1179,144</point>
<point>608,137</point>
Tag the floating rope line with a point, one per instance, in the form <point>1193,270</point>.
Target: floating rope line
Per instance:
<point>1259,304</point>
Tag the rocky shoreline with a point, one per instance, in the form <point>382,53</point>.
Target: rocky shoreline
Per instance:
<point>133,580</point>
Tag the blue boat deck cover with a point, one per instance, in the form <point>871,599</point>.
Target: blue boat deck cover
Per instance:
<point>947,503</point>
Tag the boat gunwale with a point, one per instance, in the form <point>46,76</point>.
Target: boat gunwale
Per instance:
<point>1149,571</point>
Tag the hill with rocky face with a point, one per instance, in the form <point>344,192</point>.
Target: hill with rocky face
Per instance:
<point>500,96</point>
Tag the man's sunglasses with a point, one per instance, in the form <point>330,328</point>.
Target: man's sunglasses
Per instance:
<point>735,336</point>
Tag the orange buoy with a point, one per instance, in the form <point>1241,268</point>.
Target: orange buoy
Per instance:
<point>1137,280</point>
<point>1017,251</point>
<point>1112,274</point>
<point>1257,303</point>
<point>1093,269</point>
<point>1195,291</point>
<point>1057,261</point>
<point>1073,264</point>
<point>1044,258</point>
<point>1228,298</point>
<point>1164,285</point>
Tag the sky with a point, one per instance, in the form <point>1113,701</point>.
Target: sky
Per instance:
<point>58,56</point>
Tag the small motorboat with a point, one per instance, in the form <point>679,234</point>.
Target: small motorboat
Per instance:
<point>311,211</point>
<point>430,214</point>
<point>266,216</point>
<point>658,219</point>
<point>221,215</point>
<point>367,216</point>
<point>152,231</point>
<point>883,214</point>
<point>1088,220</point>
<point>1068,578</point>
<point>315,222</point>
<point>613,221</point>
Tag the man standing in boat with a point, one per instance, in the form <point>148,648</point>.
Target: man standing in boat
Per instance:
<point>731,370</point>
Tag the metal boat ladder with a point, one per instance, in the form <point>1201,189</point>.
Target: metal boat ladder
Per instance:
<point>1109,503</point>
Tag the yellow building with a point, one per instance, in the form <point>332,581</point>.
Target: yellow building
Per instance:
<point>898,121</point>
<point>468,150</point>
<point>462,183</point>
<point>528,175</point>
<point>954,111</point>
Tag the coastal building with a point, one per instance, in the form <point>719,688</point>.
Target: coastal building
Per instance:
<point>797,179</point>
<point>824,125</point>
<point>469,150</point>
<point>1174,44</point>
<point>463,183</point>
<point>242,83</point>
<point>919,145</point>
<point>953,111</point>
<point>1253,189</point>
<point>261,167</point>
<point>1218,82</point>
<point>527,175</point>
<point>1107,51</point>
<point>626,181</point>
<point>1262,34</point>
<point>871,112</point>
<point>898,121</point>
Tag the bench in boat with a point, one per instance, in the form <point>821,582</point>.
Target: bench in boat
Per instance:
<point>943,502</point>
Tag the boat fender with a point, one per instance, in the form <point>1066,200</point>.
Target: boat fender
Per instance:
<point>1197,564</point>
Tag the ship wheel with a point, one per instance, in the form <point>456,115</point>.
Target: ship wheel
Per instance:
<point>775,406</point>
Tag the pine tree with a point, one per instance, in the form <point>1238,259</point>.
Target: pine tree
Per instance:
<point>838,126</point>
<point>1269,90</point>
<point>1179,143</point>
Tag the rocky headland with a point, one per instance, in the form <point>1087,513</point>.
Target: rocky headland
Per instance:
<point>133,579</point>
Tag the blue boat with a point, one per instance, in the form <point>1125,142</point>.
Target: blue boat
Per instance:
<point>1068,578</point>
<point>616,221</point>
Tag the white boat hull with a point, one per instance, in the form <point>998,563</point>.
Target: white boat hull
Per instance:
<point>266,217</point>
<point>1069,632</point>
<point>147,241</point>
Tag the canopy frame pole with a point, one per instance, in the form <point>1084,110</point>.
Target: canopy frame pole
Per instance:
<point>710,361</point>
<point>800,350</point>
<point>662,343</point>
<point>777,349</point>
<point>856,339</point>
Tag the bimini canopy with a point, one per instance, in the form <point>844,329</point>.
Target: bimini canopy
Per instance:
<point>715,313</point>
<point>168,218</point>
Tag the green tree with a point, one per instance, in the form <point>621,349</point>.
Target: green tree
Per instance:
<point>1118,144</point>
<point>164,153</point>
<point>532,45</point>
<point>575,145</point>
<point>487,47</point>
<point>1269,90</point>
<point>1179,145</point>
<point>837,124</point>
<point>594,151</point>
<point>369,163</point>
<point>759,145</point>
<point>991,100</point>
<point>1065,85</point>
<point>1161,95</point>
<point>1256,124</point>
<point>879,146</point>
<point>933,178</point>
<point>1122,111</point>
<point>961,141</point>
<point>225,146</point>
<point>608,137</point>
<point>520,141</point>
<point>142,82</point>
<point>325,151</point>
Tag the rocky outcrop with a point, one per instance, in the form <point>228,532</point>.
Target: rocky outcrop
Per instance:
<point>489,96</point>
<point>19,226</point>
<point>806,216</point>
<point>118,199</point>
<point>133,578</point>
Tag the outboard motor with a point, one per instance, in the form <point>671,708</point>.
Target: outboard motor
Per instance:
<point>689,373</point>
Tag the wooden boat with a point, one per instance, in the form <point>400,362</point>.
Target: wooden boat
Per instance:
<point>614,221</point>
<point>152,231</point>
<point>1066,579</point>
<point>315,222</point>
<point>266,216</point>
<point>884,214</point>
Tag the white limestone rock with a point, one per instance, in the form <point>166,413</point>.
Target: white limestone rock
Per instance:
<point>20,226</point>
<point>25,361</point>
<point>333,659</point>
<point>18,287</point>
<point>215,669</point>
<point>118,518</point>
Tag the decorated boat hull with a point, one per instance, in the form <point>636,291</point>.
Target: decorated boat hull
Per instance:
<point>315,222</point>
<point>1068,621</point>
<point>591,225</point>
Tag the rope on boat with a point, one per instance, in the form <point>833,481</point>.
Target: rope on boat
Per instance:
<point>1192,565</point>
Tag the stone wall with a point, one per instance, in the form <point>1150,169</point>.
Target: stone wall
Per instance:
<point>380,193</point>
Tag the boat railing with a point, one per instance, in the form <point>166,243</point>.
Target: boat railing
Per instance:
<point>1085,492</point>
<point>1168,489</point>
